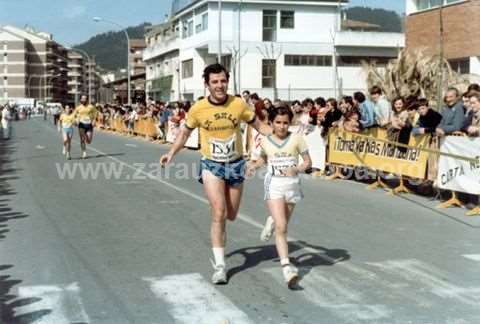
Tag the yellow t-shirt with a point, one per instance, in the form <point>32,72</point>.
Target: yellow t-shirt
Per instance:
<point>85,114</point>
<point>220,136</point>
<point>281,156</point>
<point>67,120</point>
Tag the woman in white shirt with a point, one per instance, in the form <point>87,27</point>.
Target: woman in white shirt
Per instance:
<point>6,117</point>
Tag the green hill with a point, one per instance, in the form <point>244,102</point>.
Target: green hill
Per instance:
<point>390,21</point>
<point>110,49</point>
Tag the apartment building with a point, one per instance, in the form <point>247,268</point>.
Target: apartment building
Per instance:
<point>33,65</point>
<point>76,75</point>
<point>137,46</point>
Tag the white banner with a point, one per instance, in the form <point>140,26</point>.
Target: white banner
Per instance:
<point>173,130</point>
<point>459,175</point>
<point>315,142</point>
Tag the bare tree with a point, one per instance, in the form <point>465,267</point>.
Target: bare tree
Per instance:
<point>272,53</point>
<point>235,63</point>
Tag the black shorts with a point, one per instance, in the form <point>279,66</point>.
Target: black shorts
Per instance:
<point>86,127</point>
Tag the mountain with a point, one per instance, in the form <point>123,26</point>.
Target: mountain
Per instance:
<point>110,49</point>
<point>390,21</point>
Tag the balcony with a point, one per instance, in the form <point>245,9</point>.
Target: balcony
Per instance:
<point>370,39</point>
<point>164,46</point>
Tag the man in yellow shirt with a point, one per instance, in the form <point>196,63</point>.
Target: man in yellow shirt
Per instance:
<point>86,115</point>
<point>222,166</point>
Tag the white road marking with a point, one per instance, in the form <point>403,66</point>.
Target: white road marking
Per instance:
<point>424,275</point>
<point>336,295</point>
<point>40,147</point>
<point>192,299</point>
<point>474,257</point>
<point>63,304</point>
<point>131,145</point>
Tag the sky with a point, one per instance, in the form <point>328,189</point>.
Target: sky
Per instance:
<point>71,21</point>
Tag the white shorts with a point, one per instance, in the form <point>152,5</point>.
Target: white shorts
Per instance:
<point>287,188</point>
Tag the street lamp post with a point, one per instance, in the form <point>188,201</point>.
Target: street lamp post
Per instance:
<point>47,92</point>
<point>98,19</point>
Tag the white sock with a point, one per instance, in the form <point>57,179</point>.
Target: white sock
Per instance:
<point>219,255</point>
<point>285,262</point>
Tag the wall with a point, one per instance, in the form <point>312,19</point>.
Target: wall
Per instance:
<point>462,30</point>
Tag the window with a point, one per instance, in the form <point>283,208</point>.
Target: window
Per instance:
<point>308,60</point>
<point>357,60</point>
<point>461,66</point>
<point>427,4</point>
<point>269,25</point>
<point>187,69</point>
<point>269,71</point>
<point>202,23</point>
<point>205,21</point>
<point>287,19</point>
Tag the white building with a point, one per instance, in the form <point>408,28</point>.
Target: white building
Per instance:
<point>288,43</point>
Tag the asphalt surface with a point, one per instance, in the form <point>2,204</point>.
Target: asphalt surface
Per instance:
<point>133,247</point>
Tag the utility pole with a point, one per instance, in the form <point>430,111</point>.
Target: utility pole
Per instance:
<point>441,59</point>
<point>219,56</point>
<point>239,68</point>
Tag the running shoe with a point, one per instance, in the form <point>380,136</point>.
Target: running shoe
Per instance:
<point>63,150</point>
<point>84,154</point>
<point>290,273</point>
<point>268,229</point>
<point>68,156</point>
<point>219,276</point>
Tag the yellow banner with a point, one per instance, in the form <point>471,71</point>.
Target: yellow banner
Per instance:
<point>373,149</point>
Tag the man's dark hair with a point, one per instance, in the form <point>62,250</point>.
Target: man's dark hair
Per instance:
<point>282,109</point>
<point>422,102</point>
<point>296,102</point>
<point>321,102</point>
<point>214,69</point>
<point>359,96</point>
<point>375,90</point>
<point>246,92</point>
<point>473,87</point>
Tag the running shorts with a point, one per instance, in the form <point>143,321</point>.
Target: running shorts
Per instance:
<point>87,127</point>
<point>287,188</point>
<point>233,173</point>
<point>68,131</point>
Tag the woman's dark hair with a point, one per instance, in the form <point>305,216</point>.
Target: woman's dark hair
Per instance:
<point>320,101</point>
<point>296,102</point>
<point>254,96</point>
<point>348,100</point>
<point>307,101</point>
<point>187,105</point>
<point>281,110</point>
<point>359,96</point>
<point>395,100</point>
<point>333,102</point>
<point>214,69</point>
<point>259,107</point>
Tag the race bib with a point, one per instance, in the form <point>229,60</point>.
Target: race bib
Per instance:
<point>277,166</point>
<point>223,150</point>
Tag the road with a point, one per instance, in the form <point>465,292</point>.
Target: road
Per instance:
<point>133,246</point>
